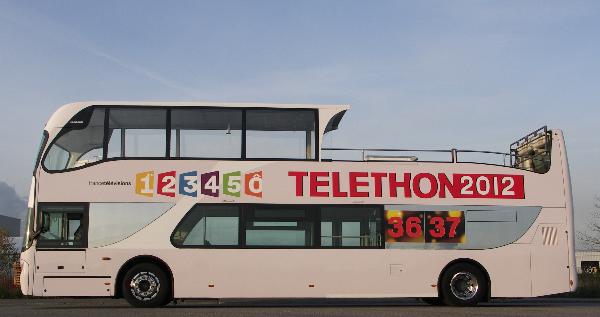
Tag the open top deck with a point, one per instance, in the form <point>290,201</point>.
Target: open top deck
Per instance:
<point>88,132</point>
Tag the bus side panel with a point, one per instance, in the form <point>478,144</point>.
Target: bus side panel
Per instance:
<point>549,260</point>
<point>508,268</point>
<point>81,286</point>
<point>340,273</point>
<point>569,212</point>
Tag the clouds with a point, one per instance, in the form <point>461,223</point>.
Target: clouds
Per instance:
<point>70,38</point>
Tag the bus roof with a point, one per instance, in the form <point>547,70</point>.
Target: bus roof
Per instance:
<point>66,112</point>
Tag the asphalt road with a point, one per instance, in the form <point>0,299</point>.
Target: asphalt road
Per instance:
<point>359,308</point>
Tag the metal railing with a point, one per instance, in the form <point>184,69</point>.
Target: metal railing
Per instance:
<point>445,156</point>
<point>531,152</point>
<point>367,154</point>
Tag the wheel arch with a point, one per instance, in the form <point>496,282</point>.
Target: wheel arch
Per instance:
<point>142,259</point>
<point>468,261</point>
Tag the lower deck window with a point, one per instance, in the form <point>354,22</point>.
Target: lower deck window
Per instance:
<point>350,226</point>
<point>63,226</point>
<point>280,226</point>
<point>208,226</point>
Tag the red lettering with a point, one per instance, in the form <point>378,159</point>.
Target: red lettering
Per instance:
<point>299,182</point>
<point>370,184</point>
<point>494,186</point>
<point>433,188</point>
<point>394,184</point>
<point>377,177</point>
<point>355,184</point>
<point>335,182</point>
<point>453,187</point>
<point>315,183</point>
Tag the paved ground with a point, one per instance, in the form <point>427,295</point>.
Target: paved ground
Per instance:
<point>359,308</point>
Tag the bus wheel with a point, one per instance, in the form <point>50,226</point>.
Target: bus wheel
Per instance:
<point>146,285</point>
<point>463,284</point>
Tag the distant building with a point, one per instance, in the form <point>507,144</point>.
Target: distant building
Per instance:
<point>12,225</point>
<point>588,261</point>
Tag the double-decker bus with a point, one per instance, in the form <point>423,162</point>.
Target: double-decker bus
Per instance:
<point>158,201</point>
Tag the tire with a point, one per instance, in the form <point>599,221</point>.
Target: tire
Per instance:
<point>433,301</point>
<point>464,284</point>
<point>146,285</point>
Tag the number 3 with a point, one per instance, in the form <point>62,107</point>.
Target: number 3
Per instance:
<point>397,231</point>
<point>188,184</point>
<point>439,229</point>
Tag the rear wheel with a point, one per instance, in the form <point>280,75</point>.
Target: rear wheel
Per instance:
<point>146,285</point>
<point>464,284</point>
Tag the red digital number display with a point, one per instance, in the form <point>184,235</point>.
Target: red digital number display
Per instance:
<point>425,226</point>
<point>412,227</point>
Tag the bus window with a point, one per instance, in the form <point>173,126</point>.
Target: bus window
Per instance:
<point>104,230</point>
<point>193,129</point>
<point>137,132</point>
<point>62,226</point>
<point>268,226</point>
<point>75,141</point>
<point>343,226</point>
<point>280,133</point>
<point>57,158</point>
<point>40,150</point>
<point>208,225</point>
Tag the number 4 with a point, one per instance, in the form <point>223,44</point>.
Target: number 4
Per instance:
<point>210,184</point>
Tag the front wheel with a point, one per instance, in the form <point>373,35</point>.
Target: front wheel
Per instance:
<point>464,284</point>
<point>146,285</point>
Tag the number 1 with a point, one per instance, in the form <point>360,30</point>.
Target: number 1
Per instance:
<point>144,183</point>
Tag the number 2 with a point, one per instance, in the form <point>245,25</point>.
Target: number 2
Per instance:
<point>469,184</point>
<point>166,184</point>
<point>508,190</point>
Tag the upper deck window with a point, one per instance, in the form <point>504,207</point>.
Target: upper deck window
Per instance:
<point>206,133</point>
<point>137,132</point>
<point>79,143</point>
<point>98,133</point>
<point>280,133</point>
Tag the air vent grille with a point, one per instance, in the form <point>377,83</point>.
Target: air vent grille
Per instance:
<point>549,235</point>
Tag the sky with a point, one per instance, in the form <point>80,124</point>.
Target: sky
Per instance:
<point>419,74</point>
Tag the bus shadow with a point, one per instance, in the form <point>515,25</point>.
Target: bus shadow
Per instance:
<point>319,303</point>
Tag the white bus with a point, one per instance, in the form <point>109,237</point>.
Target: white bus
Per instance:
<point>158,201</point>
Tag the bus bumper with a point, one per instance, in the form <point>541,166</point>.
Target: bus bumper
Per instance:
<point>25,276</point>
